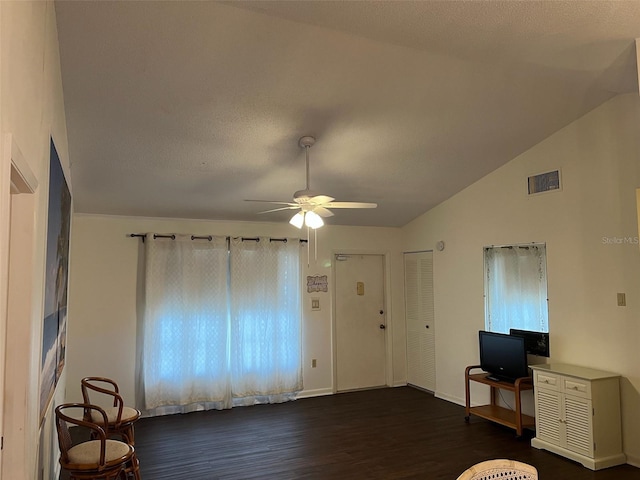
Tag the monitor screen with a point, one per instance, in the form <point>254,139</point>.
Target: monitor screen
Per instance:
<point>503,356</point>
<point>536,343</point>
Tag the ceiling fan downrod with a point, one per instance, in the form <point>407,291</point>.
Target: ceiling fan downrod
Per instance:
<point>307,142</point>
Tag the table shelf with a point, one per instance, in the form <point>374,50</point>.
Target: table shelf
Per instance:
<point>510,418</point>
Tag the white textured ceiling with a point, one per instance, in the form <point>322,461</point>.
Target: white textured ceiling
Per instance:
<point>184,109</point>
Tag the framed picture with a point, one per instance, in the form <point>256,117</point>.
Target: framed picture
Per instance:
<point>316,283</point>
<point>54,331</point>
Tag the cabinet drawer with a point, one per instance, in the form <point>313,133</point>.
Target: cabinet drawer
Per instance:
<point>577,387</point>
<point>546,380</point>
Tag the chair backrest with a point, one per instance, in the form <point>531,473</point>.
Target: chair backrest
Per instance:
<point>101,385</point>
<point>64,418</point>
<point>500,468</point>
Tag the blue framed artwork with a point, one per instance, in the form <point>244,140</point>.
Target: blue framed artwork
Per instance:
<point>54,332</point>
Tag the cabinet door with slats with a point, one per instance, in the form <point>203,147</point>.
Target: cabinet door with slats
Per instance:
<point>420,320</point>
<point>577,419</point>
<point>549,425</point>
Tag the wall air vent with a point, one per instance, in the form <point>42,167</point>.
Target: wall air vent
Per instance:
<point>544,182</point>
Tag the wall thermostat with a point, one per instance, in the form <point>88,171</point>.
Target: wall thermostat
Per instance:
<point>440,245</point>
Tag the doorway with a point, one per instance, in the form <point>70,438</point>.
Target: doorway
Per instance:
<point>16,403</point>
<point>360,322</point>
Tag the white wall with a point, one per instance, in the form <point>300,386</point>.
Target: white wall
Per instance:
<point>599,159</point>
<point>102,306</point>
<point>31,104</point>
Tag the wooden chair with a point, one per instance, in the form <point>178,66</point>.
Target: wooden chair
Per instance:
<point>500,468</point>
<point>119,417</point>
<point>100,458</point>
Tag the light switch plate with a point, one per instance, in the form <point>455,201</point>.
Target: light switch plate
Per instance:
<point>315,304</point>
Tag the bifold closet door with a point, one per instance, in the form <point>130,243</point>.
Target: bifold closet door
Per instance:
<point>420,320</point>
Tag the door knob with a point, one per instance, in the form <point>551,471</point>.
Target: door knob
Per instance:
<point>381,312</point>
<point>382,326</point>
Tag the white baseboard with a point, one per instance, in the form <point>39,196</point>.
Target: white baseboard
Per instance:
<point>450,398</point>
<point>633,460</point>
<point>318,392</point>
<point>321,392</point>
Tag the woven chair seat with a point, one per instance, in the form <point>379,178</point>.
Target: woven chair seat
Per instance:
<point>128,414</point>
<point>120,418</point>
<point>89,452</point>
<point>500,469</point>
<point>100,458</point>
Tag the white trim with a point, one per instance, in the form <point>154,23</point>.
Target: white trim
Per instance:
<point>22,178</point>
<point>318,392</point>
<point>450,398</point>
<point>633,460</point>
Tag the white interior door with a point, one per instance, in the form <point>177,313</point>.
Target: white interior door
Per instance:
<point>420,319</point>
<point>360,322</point>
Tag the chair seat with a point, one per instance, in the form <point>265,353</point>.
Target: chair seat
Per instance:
<point>501,468</point>
<point>128,415</point>
<point>88,453</point>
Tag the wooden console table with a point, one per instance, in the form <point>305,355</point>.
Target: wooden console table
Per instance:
<point>494,412</point>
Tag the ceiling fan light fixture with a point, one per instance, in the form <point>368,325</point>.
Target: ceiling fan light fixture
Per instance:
<point>297,220</point>
<point>313,220</point>
<point>311,206</point>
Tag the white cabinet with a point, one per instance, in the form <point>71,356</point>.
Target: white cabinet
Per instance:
<point>578,414</point>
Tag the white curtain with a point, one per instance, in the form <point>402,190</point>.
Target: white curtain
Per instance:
<point>209,341</point>
<point>185,325</point>
<point>516,288</point>
<point>265,320</point>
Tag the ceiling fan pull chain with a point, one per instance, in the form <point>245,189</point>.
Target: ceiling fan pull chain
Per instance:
<point>308,251</point>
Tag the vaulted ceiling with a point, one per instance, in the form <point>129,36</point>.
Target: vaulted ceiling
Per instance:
<point>185,109</point>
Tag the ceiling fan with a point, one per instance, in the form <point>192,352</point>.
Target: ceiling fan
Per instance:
<point>311,206</point>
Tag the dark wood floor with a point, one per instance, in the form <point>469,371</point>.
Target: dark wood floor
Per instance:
<point>399,433</point>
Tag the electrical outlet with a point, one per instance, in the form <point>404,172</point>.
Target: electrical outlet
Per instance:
<point>313,363</point>
<point>622,300</point>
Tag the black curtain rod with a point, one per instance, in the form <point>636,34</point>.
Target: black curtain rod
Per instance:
<point>524,246</point>
<point>209,237</point>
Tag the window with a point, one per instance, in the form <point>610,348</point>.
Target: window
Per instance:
<point>515,286</point>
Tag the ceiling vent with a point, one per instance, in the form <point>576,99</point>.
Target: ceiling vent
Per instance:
<point>544,182</point>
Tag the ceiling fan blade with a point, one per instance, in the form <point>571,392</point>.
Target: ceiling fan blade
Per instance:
<point>350,205</point>
<point>274,202</point>
<point>321,199</point>
<point>323,212</point>
<point>278,209</point>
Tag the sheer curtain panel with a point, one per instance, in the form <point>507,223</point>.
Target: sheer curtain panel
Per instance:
<point>221,323</point>
<point>266,358</point>
<point>516,288</point>
<point>185,325</point>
